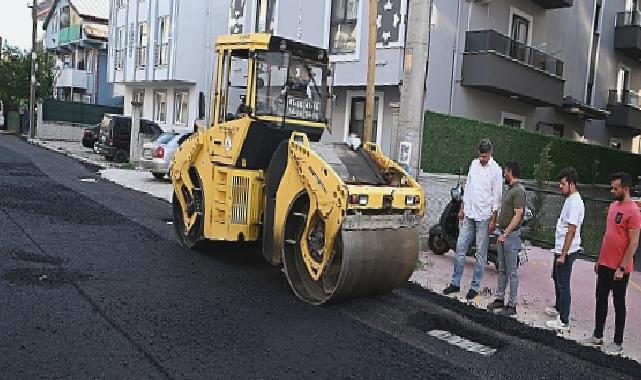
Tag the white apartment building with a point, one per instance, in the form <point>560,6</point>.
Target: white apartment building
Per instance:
<point>161,53</point>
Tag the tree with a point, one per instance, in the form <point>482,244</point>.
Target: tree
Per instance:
<point>15,71</point>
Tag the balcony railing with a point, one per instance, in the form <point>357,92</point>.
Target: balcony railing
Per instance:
<point>491,41</point>
<point>629,18</point>
<point>70,77</point>
<point>624,98</point>
<point>69,34</point>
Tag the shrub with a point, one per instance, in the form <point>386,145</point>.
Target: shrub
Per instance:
<point>451,142</point>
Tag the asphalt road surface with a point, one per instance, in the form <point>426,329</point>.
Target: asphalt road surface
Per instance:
<point>92,285</point>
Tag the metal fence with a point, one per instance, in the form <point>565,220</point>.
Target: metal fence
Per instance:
<point>75,112</point>
<point>547,206</point>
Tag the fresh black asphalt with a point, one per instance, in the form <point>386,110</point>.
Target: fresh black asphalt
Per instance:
<point>92,285</point>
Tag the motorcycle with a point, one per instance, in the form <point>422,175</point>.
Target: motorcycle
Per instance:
<point>444,235</point>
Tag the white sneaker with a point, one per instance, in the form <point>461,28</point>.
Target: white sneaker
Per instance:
<point>612,349</point>
<point>556,324</point>
<point>551,312</point>
<point>592,342</point>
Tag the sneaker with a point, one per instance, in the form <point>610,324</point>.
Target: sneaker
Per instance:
<point>451,289</point>
<point>612,349</point>
<point>508,310</point>
<point>556,324</point>
<point>551,312</point>
<point>592,341</point>
<point>496,305</point>
<point>471,294</point>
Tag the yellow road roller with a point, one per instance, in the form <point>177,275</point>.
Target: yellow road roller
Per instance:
<point>342,219</point>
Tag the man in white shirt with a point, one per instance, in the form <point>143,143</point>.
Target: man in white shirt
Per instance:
<point>482,200</point>
<point>567,246</point>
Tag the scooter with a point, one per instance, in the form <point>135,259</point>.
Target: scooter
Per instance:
<point>444,235</point>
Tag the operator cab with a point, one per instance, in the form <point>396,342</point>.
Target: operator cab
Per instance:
<point>278,82</point>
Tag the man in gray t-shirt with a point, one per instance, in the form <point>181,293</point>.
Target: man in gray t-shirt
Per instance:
<point>509,240</point>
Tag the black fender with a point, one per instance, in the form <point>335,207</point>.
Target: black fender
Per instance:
<point>273,176</point>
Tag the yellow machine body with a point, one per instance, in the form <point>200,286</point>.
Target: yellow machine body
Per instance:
<point>259,173</point>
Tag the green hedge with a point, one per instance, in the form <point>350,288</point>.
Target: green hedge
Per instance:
<point>451,142</point>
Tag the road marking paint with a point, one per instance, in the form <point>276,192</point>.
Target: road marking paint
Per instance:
<point>461,342</point>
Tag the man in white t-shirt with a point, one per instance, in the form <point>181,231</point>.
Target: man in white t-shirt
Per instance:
<point>482,200</point>
<point>567,246</point>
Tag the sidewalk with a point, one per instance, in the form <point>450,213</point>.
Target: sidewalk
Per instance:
<point>536,292</point>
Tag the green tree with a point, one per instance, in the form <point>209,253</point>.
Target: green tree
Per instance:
<point>543,168</point>
<point>15,71</point>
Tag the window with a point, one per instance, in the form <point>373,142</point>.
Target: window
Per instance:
<point>143,40</point>
<point>265,16</point>
<point>65,17</point>
<point>232,88</point>
<point>343,28</point>
<point>160,106</point>
<point>520,28</point>
<point>90,60</point>
<point>162,46</point>
<point>80,59</point>
<point>120,47</point>
<point>357,117</point>
<point>121,3</point>
<point>139,96</point>
<point>181,108</point>
<point>512,120</point>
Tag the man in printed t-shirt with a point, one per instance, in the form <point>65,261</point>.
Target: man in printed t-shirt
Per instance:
<point>616,262</point>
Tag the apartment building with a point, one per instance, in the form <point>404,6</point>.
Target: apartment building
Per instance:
<point>560,67</point>
<point>76,31</point>
<point>161,52</point>
<point>340,26</point>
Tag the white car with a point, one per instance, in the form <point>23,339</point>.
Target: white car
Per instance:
<point>157,154</point>
<point>1,115</point>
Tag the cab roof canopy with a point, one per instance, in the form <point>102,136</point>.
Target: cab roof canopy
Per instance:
<point>267,42</point>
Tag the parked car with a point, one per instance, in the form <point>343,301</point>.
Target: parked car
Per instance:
<point>1,114</point>
<point>115,136</point>
<point>157,154</point>
<point>90,136</point>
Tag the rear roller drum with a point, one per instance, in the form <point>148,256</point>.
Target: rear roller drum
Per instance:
<point>364,262</point>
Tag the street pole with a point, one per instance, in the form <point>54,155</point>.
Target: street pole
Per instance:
<point>371,72</point>
<point>32,96</point>
<point>409,134</point>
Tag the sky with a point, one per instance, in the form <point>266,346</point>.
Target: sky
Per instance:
<point>15,23</point>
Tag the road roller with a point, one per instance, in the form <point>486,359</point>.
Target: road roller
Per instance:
<point>342,219</point>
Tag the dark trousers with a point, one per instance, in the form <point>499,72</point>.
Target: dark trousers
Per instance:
<point>561,275</point>
<point>604,285</point>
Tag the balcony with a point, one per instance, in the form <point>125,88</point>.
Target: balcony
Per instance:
<point>625,109</point>
<point>554,4</point>
<point>72,78</point>
<point>627,34</point>
<point>69,34</point>
<point>495,63</point>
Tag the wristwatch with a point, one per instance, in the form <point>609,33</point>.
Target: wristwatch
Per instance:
<point>622,269</point>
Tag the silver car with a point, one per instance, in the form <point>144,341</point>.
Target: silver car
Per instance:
<point>157,154</point>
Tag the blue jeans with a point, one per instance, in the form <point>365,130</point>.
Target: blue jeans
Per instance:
<point>561,275</point>
<point>508,255</point>
<point>471,229</point>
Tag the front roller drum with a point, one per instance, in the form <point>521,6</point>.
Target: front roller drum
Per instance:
<point>364,262</point>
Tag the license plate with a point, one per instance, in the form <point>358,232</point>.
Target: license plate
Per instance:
<point>147,153</point>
